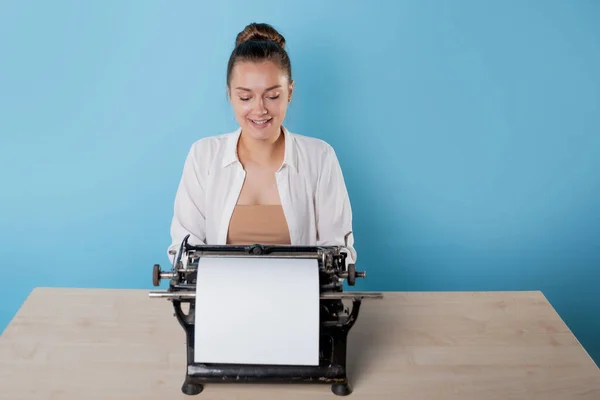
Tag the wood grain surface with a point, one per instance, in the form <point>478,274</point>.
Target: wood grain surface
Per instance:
<point>119,344</point>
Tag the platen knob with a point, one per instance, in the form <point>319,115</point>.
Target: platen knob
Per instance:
<point>351,274</point>
<point>156,275</point>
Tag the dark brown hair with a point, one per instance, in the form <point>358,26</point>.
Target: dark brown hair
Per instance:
<point>259,42</point>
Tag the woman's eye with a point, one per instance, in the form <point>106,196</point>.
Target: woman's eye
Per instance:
<point>274,97</point>
<point>244,99</point>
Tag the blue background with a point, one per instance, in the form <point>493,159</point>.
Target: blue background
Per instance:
<point>469,135</point>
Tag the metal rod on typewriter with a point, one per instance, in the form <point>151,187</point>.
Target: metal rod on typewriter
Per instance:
<point>278,255</point>
<point>332,295</point>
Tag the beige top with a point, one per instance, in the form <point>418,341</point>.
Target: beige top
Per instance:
<point>258,224</point>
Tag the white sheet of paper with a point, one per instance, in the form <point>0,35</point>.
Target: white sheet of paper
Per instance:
<point>257,311</point>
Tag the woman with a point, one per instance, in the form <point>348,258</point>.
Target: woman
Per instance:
<point>261,183</point>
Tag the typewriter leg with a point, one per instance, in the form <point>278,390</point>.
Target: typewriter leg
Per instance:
<point>191,389</point>
<point>339,335</point>
<point>341,389</point>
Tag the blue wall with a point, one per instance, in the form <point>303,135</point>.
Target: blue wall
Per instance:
<point>469,135</point>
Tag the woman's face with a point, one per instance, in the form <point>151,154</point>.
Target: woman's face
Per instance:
<point>260,93</point>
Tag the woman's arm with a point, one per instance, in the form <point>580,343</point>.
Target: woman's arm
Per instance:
<point>333,210</point>
<point>188,210</point>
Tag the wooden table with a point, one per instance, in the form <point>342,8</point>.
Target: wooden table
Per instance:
<point>119,344</point>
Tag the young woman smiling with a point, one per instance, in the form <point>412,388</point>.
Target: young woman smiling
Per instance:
<point>262,183</point>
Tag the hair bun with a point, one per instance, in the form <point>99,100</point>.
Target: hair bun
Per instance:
<point>258,32</point>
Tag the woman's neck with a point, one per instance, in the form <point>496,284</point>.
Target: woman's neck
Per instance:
<point>268,152</point>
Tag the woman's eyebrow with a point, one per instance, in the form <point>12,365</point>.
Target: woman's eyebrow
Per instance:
<point>266,90</point>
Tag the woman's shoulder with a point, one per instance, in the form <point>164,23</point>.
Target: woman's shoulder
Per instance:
<point>311,146</point>
<point>206,152</point>
<point>312,156</point>
<point>214,142</point>
<point>214,146</point>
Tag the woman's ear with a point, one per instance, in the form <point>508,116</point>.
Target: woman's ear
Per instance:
<point>290,91</point>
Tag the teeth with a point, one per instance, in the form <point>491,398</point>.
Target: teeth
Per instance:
<point>260,122</point>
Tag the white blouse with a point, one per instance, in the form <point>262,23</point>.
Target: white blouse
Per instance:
<point>310,184</point>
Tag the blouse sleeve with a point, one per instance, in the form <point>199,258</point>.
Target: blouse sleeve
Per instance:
<point>333,209</point>
<point>189,208</point>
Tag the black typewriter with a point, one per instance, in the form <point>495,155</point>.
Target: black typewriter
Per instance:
<point>336,319</point>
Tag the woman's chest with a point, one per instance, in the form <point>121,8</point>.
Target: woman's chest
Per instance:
<point>259,188</point>
<point>293,191</point>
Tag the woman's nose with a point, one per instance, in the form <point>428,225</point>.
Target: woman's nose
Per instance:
<point>260,108</point>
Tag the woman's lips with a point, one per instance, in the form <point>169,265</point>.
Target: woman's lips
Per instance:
<point>261,123</point>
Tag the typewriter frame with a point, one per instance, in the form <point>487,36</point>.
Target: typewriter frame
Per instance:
<point>335,319</point>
